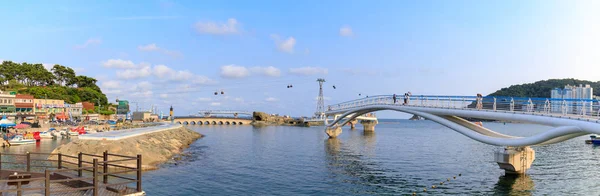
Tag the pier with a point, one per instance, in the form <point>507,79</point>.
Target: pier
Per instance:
<point>71,175</point>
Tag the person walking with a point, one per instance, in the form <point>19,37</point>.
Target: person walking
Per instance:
<point>479,100</point>
<point>394,97</point>
<point>405,99</point>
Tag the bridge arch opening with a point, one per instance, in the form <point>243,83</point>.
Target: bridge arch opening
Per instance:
<point>214,122</point>
<point>192,123</point>
<point>234,123</point>
<point>207,123</point>
<point>185,122</point>
<point>220,122</point>
<point>227,123</point>
<point>240,123</point>
<point>178,122</point>
<point>199,123</point>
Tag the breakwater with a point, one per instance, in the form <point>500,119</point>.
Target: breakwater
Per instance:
<point>156,144</point>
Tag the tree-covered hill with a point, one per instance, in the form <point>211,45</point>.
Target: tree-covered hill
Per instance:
<point>58,83</point>
<point>543,88</point>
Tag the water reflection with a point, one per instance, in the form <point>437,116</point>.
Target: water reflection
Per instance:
<point>514,185</point>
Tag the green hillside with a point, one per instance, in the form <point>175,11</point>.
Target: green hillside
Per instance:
<point>58,83</point>
<point>543,88</point>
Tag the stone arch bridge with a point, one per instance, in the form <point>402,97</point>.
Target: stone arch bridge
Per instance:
<point>191,120</point>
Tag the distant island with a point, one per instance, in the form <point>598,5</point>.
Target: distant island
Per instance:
<point>542,88</point>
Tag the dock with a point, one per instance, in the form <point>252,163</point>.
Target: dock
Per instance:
<point>69,175</point>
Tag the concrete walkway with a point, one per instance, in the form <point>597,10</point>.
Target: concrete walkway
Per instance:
<point>127,133</point>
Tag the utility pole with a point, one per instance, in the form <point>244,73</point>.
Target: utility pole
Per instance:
<point>320,113</point>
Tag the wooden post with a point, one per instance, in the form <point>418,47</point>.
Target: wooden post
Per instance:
<point>139,173</point>
<point>19,191</point>
<point>95,174</point>
<point>28,162</point>
<point>105,167</point>
<point>47,183</point>
<point>59,160</point>
<point>79,163</point>
<point>0,161</point>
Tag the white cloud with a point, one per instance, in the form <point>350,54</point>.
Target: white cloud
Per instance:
<point>346,31</point>
<point>162,71</point>
<point>204,99</point>
<point>48,66</point>
<point>118,64</point>
<point>215,103</point>
<point>164,96</point>
<point>271,99</point>
<point>143,86</point>
<point>202,80</point>
<point>89,42</point>
<point>307,71</point>
<point>111,84</point>
<point>232,26</point>
<point>286,45</point>
<point>234,71</point>
<point>266,71</point>
<point>149,47</point>
<point>154,47</point>
<point>134,73</point>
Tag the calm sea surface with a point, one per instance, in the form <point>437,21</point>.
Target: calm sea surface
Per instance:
<point>401,157</point>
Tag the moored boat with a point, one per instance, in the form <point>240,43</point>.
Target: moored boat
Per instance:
<point>19,140</point>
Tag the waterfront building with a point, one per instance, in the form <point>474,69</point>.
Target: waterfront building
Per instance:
<point>45,108</point>
<point>7,104</point>
<point>75,111</point>
<point>24,107</point>
<point>88,105</point>
<point>571,94</point>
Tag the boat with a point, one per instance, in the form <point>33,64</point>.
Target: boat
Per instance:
<point>593,140</point>
<point>77,131</point>
<point>48,134</point>
<point>19,140</point>
<point>63,132</point>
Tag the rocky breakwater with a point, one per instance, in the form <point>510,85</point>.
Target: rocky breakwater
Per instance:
<point>156,147</point>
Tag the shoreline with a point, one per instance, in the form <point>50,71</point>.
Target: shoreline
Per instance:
<point>156,147</point>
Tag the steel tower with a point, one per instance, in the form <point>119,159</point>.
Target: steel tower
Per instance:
<point>320,113</point>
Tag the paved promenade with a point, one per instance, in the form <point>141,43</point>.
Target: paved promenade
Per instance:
<point>127,133</point>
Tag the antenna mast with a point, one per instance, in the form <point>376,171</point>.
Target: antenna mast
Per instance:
<point>320,113</point>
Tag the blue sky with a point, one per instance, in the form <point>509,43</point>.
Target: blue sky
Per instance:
<point>180,52</point>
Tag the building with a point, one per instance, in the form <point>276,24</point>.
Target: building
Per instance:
<point>49,108</point>
<point>122,109</point>
<point>7,104</point>
<point>24,107</point>
<point>141,116</point>
<point>74,111</point>
<point>88,105</point>
<point>571,97</point>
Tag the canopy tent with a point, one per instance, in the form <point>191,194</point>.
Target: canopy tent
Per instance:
<point>21,126</point>
<point>5,123</point>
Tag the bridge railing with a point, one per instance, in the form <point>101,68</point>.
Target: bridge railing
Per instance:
<point>559,107</point>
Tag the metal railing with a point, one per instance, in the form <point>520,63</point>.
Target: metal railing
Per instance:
<point>564,108</point>
<point>26,163</point>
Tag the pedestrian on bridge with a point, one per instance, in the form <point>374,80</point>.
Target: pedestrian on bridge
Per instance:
<point>394,97</point>
<point>405,99</point>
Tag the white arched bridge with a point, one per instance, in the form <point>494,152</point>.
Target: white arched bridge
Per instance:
<point>569,118</point>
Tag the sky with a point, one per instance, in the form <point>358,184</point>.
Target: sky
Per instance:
<point>179,53</point>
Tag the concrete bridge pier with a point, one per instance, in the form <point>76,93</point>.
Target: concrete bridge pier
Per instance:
<point>515,160</point>
<point>333,132</point>
<point>369,125</point>
<point>353,123</point>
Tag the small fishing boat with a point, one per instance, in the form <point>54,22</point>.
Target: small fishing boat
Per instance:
<point>593,140</point>
<point>47,134</point>
<point>19,140</point>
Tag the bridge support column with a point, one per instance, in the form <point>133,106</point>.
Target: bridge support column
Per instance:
<point>368,125</point>
<point>333,132</point>
<point>352,123</point>
<point>515,160</point>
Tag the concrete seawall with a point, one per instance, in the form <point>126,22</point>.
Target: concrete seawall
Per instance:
<point>156,145</point>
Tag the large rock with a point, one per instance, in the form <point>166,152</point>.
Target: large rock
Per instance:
<point>155,148</point>
<point>260,116</point>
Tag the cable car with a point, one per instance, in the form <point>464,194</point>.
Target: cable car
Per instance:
<point>333,86</point>
<point>216,93</point>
